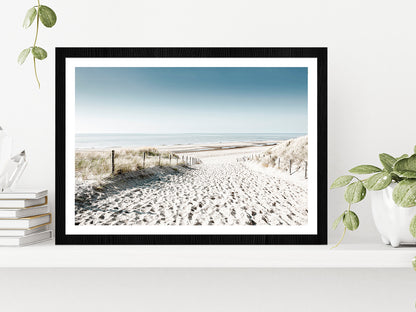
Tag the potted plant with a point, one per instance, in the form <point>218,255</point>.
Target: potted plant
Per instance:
<point>393,202</point>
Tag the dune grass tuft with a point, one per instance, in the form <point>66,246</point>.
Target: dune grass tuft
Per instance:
<point>97,164</point>
<point>294,150</point>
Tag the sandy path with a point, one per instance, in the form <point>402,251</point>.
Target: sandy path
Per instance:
<point>221,191</point>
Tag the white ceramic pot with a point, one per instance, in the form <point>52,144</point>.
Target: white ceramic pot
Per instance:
<point>391,220</point>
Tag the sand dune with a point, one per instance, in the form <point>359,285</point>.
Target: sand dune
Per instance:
<point>220,191</point>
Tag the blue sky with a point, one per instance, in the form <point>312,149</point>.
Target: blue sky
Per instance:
<point>191,100</point>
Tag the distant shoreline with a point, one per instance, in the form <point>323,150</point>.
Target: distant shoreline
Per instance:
<point>189,148</point>
<point>179,140</point>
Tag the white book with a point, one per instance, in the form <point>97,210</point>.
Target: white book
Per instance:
<point>23,232</point>
<point>25,223</point>
<point>22,203</point>
<point>23,194</point>
<point>25,240</point>
<point>23,212</point>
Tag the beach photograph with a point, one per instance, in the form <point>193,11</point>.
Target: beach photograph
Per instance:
<point>191,146</point>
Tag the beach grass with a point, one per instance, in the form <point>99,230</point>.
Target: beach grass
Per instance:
<point>293,152</point>
<point>98,164</point>
<point>92,164</point>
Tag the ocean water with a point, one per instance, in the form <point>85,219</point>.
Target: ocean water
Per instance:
<point>115,140</point>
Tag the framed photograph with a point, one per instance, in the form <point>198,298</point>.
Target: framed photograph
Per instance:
<point>191,145</point>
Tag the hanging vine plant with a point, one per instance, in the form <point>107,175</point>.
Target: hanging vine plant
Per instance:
<point>45,15</point>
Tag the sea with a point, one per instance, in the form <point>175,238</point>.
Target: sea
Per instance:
<point>127,140</point>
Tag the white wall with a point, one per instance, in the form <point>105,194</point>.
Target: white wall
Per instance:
<point>371,68</point>
<point>372,103</point>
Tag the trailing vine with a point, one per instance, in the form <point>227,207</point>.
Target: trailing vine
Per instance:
<point>47,16</point>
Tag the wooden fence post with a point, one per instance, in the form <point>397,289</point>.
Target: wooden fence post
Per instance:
<point>170,159</point>
<point>159,160</point>
<point>112,162</point>
<point>306,169</point>
<point>144,160</point>
<point>279,164</point>
<point>290,167</point>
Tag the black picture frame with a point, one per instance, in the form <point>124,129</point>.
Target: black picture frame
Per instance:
<point>314,52</point>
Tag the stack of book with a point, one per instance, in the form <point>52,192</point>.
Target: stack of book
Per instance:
<point>24,217</point>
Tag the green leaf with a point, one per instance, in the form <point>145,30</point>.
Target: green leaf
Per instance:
<point>39,53</point>
<point>22,56</point>
<point>406,167</point>
<point>412,227</point>
<point>378,181</point>
<point>403,156</point>
<point>406,164</point>
<point>351,221</point>
<point>47,16</point>
<point>30,17</point>
<point>342,181</point>
<point>355,192</point>
<point>387,161</point>
<point>404,194</point>
<point>395,177</point>
<point>414,263</point>
<point>365,169</point>
<point>406,174</point>
<point>414,150</point>
<point>337,221</point>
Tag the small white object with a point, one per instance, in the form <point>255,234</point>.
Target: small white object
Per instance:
<point>5,157</point>
<point>391,220</point>
<point>21,161</point>
<point>7,160</point>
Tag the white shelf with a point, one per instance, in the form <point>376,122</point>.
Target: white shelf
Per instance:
<point>47,255</point>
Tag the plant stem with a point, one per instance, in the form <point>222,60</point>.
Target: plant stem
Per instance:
<point>36,73</point>
<point>37,25</point>
<point>342,238</point>
<point>343,233</point>
<point>34,44</point>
